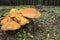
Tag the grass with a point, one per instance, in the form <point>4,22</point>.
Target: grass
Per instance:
<point>56,9</point>
<point>17,7</point>
<point>24,35</point>
<point>48,37</point>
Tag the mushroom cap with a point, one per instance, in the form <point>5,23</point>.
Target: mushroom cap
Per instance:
<point>30,12</point>
<point>5,20</point>
<point>24,21</point>
<point>21,20</point>
<point>18,17</point>
<point>10,26</point>
<point>13,12</point>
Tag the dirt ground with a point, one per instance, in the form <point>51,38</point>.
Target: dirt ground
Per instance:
<point>48,23</point>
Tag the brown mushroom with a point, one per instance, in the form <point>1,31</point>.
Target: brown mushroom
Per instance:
<point>30,12</point>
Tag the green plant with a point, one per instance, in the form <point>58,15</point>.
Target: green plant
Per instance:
<point>58,36</point>
<point>24,35</point>
<point>48,37</point>
<point>56,9</point>
<point>17,7</point>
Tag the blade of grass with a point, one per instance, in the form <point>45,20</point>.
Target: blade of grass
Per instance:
<point>48,37</point>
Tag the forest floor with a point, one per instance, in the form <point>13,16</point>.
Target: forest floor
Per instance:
<point>47,27</point>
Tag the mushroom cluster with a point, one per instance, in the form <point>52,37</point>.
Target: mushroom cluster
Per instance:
<point>16,18</point>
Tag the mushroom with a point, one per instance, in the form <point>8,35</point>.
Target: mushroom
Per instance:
<point>13,21</point>
<point>10,26</point>
<point>30,12</point>
<point>5,20</point>
<point>13,12</point>
<point>16,18</point>
<point>22,20</point>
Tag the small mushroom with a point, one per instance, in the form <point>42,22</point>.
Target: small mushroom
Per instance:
<point>30,12</point>
<point>5,20</point>
<point>18,17</point>
<point>22,20</point>
<point>13,12</point>
<point>10,26</point>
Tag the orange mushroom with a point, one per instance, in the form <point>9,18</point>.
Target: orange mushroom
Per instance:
<point>21,20</point>
<point>13,21</point>
<point>30,12</point>
<point>10,26</point>
<point>16,18</point>
<point>13,12</point>
<point>5,20</point>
